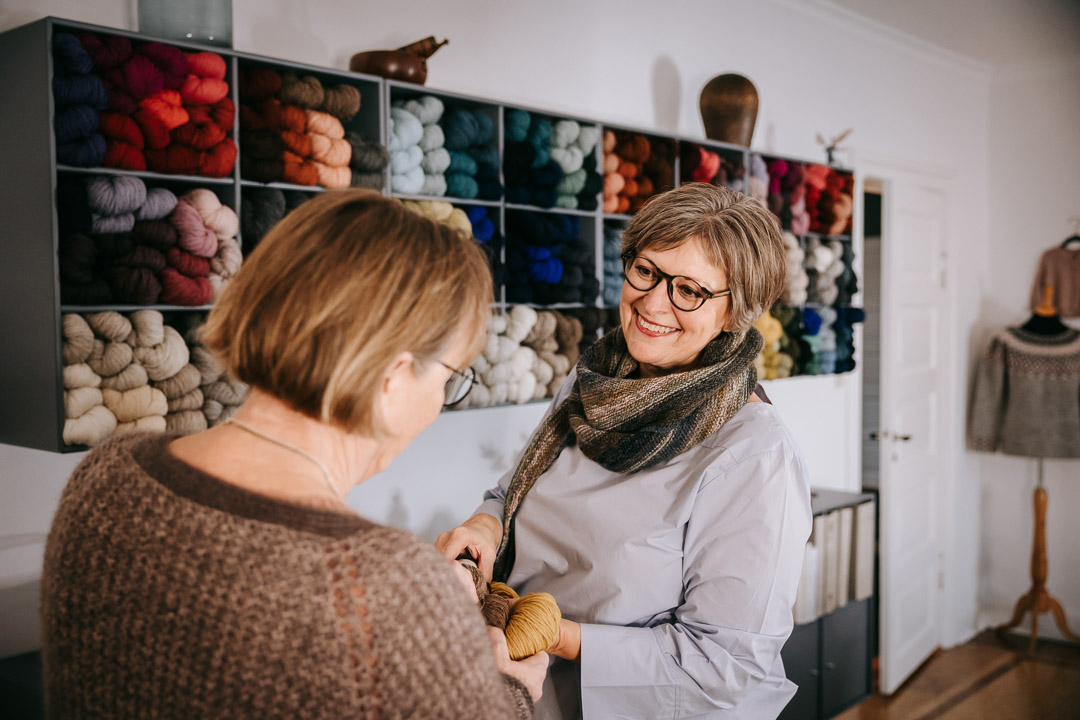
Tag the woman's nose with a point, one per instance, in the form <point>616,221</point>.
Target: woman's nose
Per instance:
<point>656,301</point>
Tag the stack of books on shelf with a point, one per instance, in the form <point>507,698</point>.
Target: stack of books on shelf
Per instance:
<point>838,566</point>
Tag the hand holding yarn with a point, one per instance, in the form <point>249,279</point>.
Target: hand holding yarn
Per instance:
<point>531,623</point>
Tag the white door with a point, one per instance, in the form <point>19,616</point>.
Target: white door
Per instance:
<point>913,307</point>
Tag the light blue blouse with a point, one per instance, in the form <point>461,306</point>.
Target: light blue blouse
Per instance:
<point>683,575</point>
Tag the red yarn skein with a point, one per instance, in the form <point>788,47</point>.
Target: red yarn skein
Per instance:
<point>200,131</point>
<point>119,154</point>
<point>107,52</point>
<point>186,263</point>
<point>154,132</point>
<point>223,112</point>
<point>167,107</point>
<point>218,161</point>
<point>203,91</point>
<point>177,289</point>
<point>206,65</point>
<point>115,126</point>
<point>174,160</point>
<point>169,60</point>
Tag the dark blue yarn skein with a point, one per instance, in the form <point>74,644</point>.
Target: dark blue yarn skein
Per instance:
<point>80,90</point>
<point>70,54</point>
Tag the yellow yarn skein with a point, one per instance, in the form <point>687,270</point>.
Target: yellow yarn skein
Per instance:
<point>503,590</point>
<point>533,625</point>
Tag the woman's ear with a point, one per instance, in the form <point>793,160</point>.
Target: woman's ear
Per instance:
<point>392,400</point>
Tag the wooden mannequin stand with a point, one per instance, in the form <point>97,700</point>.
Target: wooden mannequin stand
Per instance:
<point>1037,599</point>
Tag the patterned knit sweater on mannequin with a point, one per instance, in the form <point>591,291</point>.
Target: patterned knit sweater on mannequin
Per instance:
<point>168,593</point>
<point>1027,395</point>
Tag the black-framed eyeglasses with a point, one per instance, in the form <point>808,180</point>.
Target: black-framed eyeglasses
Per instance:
<point>458,384</point>
<point>684,293</point>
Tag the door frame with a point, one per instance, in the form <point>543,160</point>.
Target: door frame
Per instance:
<point>893,171</point>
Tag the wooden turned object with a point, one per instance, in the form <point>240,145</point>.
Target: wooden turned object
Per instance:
<point>729,105</point>
<point>1038,600</point>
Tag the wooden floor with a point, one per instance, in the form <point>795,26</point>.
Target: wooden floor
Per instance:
<point>986,679</point>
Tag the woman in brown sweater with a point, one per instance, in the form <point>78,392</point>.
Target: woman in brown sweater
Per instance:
<point>222,574</point>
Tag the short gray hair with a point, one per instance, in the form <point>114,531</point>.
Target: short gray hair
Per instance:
<point>738,235</point>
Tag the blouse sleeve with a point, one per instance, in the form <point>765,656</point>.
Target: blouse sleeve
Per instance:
<point>743,554</point>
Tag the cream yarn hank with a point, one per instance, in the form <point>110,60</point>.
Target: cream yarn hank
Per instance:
<point>327,476</point>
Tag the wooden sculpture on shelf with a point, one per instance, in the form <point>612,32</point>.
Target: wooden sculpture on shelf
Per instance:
<point>729,105</point>
<point>831,146</point>
<point>407,63</point>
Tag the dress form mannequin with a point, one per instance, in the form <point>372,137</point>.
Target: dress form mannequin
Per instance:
<point>1038,600</point>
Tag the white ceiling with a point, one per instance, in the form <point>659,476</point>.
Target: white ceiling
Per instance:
<point>1000,33</point>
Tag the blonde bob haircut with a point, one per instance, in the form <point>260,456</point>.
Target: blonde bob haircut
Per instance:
<point>338,289</point>
<point>737,234</point>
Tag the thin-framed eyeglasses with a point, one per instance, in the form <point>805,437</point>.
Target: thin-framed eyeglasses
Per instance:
<point>684,293</point>
<point>458,384</point>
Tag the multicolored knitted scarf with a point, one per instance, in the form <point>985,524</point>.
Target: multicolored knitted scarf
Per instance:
<point>628,423</point>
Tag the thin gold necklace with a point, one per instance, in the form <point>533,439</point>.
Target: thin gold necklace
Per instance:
<point>289,446</point>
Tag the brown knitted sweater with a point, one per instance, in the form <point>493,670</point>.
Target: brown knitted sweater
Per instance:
<point>168,593</point>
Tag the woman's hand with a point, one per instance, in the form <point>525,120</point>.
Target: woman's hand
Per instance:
<point>478,536</point>
<point>567,643</point>
<point>530,672</point>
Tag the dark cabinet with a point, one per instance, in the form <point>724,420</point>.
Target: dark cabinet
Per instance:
<point>829,659</point>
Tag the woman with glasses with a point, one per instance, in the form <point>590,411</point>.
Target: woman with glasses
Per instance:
<point>222,574</point>
<point>661,502</point>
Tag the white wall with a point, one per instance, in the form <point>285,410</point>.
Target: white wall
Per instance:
<point>626,62</point>
<point>1034,188</point>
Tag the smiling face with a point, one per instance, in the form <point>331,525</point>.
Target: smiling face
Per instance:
<point>662,338</point>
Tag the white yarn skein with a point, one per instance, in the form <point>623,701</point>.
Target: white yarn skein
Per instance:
<point>520,322</point>
<point>409,183</point>
<point>109,325</point>
<point>500,393</point>
<point>165,359</point>
<point>226,391</point>
<point>90,429</point>
<point>433,138</point>
<point>542,370</point>
<point>405,129</point>
<point>140,402</point>
<point>207,364</point>
<point>79,401</point>
<point>149,423</point>
<point>148,328</point>
<point>78,338</point>
<point>403,161</point>
<point>436,162</point>
<point>427,109</point>
<point>191,401</point>
<point>185,422</point>
<point>80,375</point>
<point>480,396</point>
<point>588,138</point>
<point>130,377</point>
<point>564,133</point>
<point>434,185</point>
<point>183,382</point>
<point>569,159</point>
<point>109,358</point>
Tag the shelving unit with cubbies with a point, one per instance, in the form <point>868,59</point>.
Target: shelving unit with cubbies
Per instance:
<point>32,282</point>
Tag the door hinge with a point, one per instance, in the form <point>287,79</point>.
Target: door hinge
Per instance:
<point>941,571</point>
